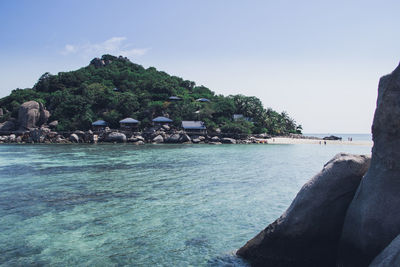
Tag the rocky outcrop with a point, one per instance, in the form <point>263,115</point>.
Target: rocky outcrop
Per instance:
<point>308,233</point>
<point>116,137</point>
<point>390,256</point>
<point>32,114</point>
<point>373,218</point>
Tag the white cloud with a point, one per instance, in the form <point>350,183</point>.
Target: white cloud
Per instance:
<point>115,46</point>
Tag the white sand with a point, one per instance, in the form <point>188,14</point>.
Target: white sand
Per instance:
<point>286,140</point>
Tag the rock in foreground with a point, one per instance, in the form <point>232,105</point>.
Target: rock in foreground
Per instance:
<point>373,218</point>
<point>390,256</point>
<point>308,233</point>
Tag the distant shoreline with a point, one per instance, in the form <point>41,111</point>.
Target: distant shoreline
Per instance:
<point>288,140</point>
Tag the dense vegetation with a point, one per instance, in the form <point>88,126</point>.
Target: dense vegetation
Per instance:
<point>112,88</point>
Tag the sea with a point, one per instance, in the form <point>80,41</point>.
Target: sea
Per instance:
<point>150,205</point>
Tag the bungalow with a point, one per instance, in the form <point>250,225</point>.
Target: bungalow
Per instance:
<point>202,100</point>
<point>99,125</point>
<point>129,124</point>
<point>161,120</point>
<point>194,127</point>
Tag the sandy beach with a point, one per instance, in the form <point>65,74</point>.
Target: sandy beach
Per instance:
<point>287,140</point>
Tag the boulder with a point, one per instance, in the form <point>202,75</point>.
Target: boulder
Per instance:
<point>116,137</point>
<point>308,233</point>
<point>74,138</point>
<point>166,127</point>
<point>228,140</point>
<point>196,140</point>
<point>185,138</point>
<point>7,126</point>
<point>175,138</point>
<point>44,116</point>
<point>158,139</point>
<point>31,114</point>
<point>53,124</point>
<point>390,256</point>
<point>215,139</point>
<point>12,137</point>
<point>373,218</point>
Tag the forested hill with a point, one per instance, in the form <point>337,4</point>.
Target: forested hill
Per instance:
<point>113,88</point>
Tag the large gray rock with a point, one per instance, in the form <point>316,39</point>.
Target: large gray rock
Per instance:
<point>373,218</point>
<point>390,256</point>
<point>175,138</point>
<point>116,137</point>
<point>308,233</point>
<point>31,114</point>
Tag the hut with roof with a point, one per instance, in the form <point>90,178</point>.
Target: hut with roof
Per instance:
<point>129,124</point>
<point>99,125</point>
<point>161,121</point>
<point>194,127</point>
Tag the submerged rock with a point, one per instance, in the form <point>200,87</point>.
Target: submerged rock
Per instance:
<point>373,218</point>
<point>308,233</point>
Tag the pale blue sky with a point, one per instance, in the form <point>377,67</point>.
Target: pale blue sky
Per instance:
<point>318,60</point>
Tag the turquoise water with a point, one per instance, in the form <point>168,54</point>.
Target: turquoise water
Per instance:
<point>153,205</point>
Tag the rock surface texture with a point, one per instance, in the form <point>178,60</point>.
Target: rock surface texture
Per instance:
<point>390,256</point>
<point>373,218</point>
<point>32,114</point>
<point>308,233</point>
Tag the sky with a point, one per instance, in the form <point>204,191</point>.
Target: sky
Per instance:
<point>318,60</point>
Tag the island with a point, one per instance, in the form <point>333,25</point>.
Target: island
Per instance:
<point>113,99</point>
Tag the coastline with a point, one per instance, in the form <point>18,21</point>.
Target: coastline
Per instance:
<point>297,141</point>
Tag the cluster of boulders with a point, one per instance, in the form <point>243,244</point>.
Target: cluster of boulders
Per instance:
<point>32,127</point>
<point>348,214</point>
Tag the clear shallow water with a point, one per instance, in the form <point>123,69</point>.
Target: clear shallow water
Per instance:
<point>153,205</point>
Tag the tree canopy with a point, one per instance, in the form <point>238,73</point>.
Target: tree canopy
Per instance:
<point>112,88</point>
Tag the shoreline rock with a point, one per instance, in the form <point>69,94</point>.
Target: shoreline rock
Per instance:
<point>308,233</point>
<point>373,218</point>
